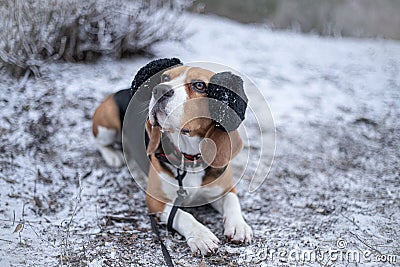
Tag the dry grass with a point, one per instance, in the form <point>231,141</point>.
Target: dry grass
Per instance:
<point>37,32</point>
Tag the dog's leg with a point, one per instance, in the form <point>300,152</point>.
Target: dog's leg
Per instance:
<point>199,237</point>
<point>104,139</point>
<point>235,227</point>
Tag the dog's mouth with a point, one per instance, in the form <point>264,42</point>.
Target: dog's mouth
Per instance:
<point>155,110</point>
<point>162,116</point>
<point>153,119</point>
<point>158,118</point>
<point>153,116</point>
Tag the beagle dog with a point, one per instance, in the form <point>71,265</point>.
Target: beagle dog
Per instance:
<point>192,124</point>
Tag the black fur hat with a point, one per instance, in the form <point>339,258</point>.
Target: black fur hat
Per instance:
<point>151,69</point>
<point>230,108</point>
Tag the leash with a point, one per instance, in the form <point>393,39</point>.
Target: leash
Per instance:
<point>154,228</point>
<point>181,195</point>
<point>172,155</point>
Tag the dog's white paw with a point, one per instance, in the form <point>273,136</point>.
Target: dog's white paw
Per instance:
<point>113,158</point>
<point>203,241</point>
<point>238,231</point>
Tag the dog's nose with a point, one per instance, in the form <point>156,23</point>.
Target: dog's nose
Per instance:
<point>162,90</point>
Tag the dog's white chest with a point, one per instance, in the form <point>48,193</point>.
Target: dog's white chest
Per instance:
<point>197,194</point>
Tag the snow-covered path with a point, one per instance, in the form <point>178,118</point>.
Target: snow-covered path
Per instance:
<point>336,104</point>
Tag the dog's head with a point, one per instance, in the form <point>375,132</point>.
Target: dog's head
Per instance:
<point>198,102</point>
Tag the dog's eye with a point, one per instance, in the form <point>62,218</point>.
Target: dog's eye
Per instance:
<point>198,86</point>
<point>185,131</point>
<point>165,78</point>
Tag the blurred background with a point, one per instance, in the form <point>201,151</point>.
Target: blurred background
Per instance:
<point>34,33</point>
<point>357,18</point>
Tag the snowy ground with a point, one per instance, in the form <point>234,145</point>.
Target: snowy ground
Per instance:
<point>336,104</point>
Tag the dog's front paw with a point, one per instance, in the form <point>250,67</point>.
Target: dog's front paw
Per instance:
<point>114,158</point>
<point>203,241</point>
<point>238,231</point>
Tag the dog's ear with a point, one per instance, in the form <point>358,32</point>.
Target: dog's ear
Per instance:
<point>154,134</point>
<point>151,69</point>
<point>227,100</point>
<point>219,146</point>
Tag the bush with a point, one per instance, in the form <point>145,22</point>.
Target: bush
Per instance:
<point>37,32</point>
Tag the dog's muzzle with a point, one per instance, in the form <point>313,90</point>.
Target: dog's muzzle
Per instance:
<point>161,94</point>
